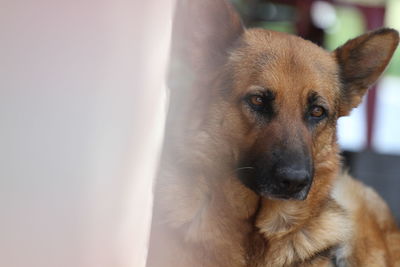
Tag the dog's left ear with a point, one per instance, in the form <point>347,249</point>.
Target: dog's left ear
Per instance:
<point>361,61</point>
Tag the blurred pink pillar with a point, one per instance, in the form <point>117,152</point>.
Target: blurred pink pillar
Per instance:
<point>82,106</point>
<point>374,17</point>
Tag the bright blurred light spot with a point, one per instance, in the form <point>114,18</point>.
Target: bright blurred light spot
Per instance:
<point>340,32</point>
<point>323,14</point>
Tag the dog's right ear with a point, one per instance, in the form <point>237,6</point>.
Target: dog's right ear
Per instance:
<point>203,31</point>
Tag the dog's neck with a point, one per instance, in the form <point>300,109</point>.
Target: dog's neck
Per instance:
<point>299,231</point>
<point>214,210</point>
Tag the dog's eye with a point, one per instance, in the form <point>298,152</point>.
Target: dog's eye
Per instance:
<point>260,102</point>
<point>256,100</point>
<point>317,112</point>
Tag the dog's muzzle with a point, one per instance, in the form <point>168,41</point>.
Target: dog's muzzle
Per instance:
<point>287,177</point>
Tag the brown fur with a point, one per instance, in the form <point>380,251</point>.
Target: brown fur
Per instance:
<point>203,214</point>
<point>375,237</point>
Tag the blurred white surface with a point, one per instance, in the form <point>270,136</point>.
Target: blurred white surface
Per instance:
<point>387,133</point>
<point>352,129</point>
<point>82,101</point>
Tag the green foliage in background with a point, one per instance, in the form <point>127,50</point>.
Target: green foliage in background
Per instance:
<point>393,21</point>
<point>349,24</point>
<point>279,26</point>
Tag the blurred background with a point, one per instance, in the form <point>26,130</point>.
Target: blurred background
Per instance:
<point>82,107</point>
<point>370,136</point>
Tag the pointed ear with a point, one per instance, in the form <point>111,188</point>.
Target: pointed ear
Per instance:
<point>203,31</point>
<point>361,61</point>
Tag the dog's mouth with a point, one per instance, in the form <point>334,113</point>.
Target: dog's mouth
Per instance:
<point>276,186</point>
<point>302,195</point>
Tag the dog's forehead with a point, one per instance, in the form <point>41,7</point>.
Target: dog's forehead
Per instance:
<point>284,62</point>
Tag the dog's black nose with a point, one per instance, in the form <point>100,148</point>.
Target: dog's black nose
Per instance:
<point>291,181</point>
<point>286,174</point>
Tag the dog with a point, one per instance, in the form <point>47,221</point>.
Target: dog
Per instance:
<point>250,173</point>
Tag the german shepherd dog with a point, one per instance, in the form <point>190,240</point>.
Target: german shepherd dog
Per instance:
<point>250,173</point>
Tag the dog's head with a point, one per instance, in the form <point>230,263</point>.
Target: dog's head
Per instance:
<point>275,97</point>
<point>287,94</point>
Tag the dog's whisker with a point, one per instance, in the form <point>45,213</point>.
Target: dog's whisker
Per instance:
<point>244,168</point>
